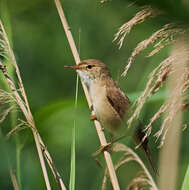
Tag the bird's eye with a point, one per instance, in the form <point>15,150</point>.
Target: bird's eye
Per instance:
<point>89,66</point>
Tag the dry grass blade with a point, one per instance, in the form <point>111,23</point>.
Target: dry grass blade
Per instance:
<point>22,125</point>
<point>156,116</point>
<point>50,162</point>
<point>5,112</point>
<point>137,183</point>
<point>130,155</point>
<point>140,17</point>
<point>100,132</point>
<point>6,97</point>
<point>123,160</point>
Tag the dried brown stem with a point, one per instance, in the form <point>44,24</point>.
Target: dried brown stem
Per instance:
<point>51,164</point>
<point>173,119</point>
<point>24,106</point>
<point>30,120</point>
<point>100,132</point>
<point>14,180</point>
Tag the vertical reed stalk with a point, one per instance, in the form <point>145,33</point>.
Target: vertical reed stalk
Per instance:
<point>170,151</point>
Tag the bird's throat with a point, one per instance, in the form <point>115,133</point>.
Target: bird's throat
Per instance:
<point>85,78</point>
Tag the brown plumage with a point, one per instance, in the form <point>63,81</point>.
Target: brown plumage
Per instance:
<point>110,104</point>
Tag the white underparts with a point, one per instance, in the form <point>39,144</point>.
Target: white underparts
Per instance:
<point>85,78</point>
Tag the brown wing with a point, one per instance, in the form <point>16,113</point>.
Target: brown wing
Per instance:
<point>117,99</point>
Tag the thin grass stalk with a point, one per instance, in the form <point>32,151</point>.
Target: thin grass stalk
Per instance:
<point>73,158</point>
<point>49,160</point>
<point>24,106</point>
<point>30,120</point>
<point>169,154</point>
<point>13,114</point>
<point>100,132</point>
<point>73,161</point>
<point>185,184</point>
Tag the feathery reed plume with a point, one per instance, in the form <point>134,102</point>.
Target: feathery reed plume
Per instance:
<point>20,98</point>
<point>142,179</point>
<point>155,81</point>
<point>141,16</point>
<point>166,36</point>
<point>163,37</point>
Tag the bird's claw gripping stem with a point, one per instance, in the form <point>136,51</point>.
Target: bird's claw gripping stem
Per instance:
<point>93,117</point>
<point>105,147</point>
<point>102,149</point>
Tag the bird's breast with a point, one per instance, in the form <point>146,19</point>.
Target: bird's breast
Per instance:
<point>104,111</point>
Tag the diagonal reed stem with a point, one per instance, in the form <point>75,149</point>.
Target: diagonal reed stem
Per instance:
<point>30,121</point>
<point>100,132</point>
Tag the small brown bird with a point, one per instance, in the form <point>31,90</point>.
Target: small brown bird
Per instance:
<point>109,103</point>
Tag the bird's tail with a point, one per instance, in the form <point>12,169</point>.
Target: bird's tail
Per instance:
<point>139,135</point>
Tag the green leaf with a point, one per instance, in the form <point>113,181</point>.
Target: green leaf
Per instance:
<point>185,185</point>
<point>72,172</point>
<point>73,160</point>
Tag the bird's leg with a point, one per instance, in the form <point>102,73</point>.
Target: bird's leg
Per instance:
<point>119,138</point>
<point>91,108</point>
<point>111,137</point>
<point>102,149</point>
<point>105,147</point>
<point>108,145</point>
<point>93,116</point>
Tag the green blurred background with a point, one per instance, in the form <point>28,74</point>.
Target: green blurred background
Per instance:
<point>42,50</point>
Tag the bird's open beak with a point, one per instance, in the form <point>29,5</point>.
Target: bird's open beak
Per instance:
<point>75,67</point>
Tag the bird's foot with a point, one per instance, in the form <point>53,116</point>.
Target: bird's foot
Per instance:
<point>93,117</point>
<point>91,108</point>
<point>102,149</point>
<point>105,147</point>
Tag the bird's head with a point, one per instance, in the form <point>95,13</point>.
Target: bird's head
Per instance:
<point>91,69</point>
